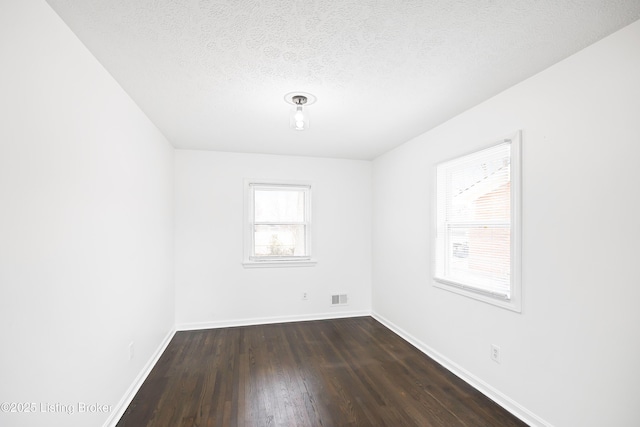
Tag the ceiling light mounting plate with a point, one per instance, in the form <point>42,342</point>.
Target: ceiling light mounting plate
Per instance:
<point>300,98</point>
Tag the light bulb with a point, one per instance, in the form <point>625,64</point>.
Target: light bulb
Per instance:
<point>299,118</point>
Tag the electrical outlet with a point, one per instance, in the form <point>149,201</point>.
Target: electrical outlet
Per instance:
<point>305,296</point>
<point>495,353</point>
<point>131,350</point>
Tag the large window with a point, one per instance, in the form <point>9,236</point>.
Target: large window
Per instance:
<point>477,224</point>
<point>279,224</point>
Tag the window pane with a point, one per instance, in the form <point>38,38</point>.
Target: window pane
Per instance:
<point>279,205</point>
<point>280,240</point>
<point>479,187</point>
<point>474,220</point>
<point>481,256</point>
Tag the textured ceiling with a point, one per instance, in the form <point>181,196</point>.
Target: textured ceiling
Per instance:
<point>213,74</point>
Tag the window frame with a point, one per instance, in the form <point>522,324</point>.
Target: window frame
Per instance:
<point>514,302</point>
<point>250,260</point>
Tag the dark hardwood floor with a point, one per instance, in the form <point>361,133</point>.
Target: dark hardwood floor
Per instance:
<point>343,372</point>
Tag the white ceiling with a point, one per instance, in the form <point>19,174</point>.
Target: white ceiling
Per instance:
<point>213,74</point>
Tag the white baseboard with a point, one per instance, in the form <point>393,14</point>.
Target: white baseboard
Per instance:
<point>501,399</point>
<point>268,320</point>
<point>122,406</point>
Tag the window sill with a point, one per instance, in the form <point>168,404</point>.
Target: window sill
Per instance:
<point>512,304</point>
<point>279,264</point>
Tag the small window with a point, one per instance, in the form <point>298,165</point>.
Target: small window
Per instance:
<point>279,224</point>
<point>478,224</point>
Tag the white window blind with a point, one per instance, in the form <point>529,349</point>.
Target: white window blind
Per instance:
<point>474,222</point>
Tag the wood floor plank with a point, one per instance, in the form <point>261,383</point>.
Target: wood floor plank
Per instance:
<point>342,372</point>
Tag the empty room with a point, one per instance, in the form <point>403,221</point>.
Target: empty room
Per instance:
<point>319,213</point>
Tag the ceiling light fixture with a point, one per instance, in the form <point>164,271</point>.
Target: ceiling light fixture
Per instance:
<point>298,120</point>
<point>299,117</point>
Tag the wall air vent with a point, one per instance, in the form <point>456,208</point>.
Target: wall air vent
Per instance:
<point>339,299</point>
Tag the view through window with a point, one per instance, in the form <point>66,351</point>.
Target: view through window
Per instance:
<point>280,221</point>
<point>475,247</point>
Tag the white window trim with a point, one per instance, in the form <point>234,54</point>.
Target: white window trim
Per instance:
<point>248,235</point>
<point>514,303</point>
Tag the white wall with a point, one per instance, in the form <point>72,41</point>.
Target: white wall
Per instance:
<point>86,225</point>
<point>212,286</point>
<point>571,357</point>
